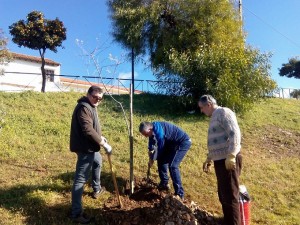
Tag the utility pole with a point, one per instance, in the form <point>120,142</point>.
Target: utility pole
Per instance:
<point>241,16</point>
<point>240,10</point>
<point>131,123</point>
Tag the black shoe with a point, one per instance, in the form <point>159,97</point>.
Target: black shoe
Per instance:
<point>96,194</point>
<point>82,218</point>
<point>163,187</point>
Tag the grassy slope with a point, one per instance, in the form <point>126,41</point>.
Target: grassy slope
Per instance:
<point>36,166</point>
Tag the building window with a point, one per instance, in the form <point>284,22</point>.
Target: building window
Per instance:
<point>50,75</point>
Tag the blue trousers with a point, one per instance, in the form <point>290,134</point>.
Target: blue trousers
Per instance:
<point>85,163</point>
<point>171,159</point>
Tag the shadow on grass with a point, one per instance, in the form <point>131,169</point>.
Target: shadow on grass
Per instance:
<point>106,181</point>
<point>51,203</point>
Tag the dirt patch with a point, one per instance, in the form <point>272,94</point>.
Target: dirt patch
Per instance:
<point>280,142</point>
<point>149,206</point>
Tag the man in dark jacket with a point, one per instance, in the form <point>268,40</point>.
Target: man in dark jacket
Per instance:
<point>168,144</point>
<point>85,141</point>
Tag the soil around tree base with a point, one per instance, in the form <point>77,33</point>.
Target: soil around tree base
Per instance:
<point>149,206</point>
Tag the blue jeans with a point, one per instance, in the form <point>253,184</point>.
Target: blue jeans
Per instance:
<point>171,160</point>
<point>85,162</point>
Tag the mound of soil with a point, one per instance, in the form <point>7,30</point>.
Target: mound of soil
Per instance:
<point>149,206</point>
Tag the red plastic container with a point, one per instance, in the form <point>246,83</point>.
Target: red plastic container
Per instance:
<point>245,212</point>
<point>244,205</point>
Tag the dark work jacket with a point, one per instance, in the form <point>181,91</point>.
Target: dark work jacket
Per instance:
<point>85,133</point>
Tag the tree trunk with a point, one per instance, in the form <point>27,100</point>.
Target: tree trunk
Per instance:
<point>43,75</point>
<point>42,54</point>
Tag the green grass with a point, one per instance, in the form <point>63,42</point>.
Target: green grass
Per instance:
<point>37,167</point>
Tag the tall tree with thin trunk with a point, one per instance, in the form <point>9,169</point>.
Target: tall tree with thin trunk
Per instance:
<point>39,34</point>
<point>196,46</point>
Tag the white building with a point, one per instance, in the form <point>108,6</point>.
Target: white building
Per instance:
<point>24,73</point>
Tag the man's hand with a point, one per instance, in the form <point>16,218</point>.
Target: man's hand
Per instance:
<point>104,138</point>
<point>103,141</point>
<point>150,153</point>
<point>207,165</point>
<point>107,148</point>
<point>230,162</point>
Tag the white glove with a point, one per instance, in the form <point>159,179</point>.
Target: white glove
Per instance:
<point>107,148</point>
<point>103,141</point>
<point>230,162</point>
<point>104,138</point>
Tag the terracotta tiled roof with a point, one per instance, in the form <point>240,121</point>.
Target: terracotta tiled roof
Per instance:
<point>34,59</point>
<point>112,89</point>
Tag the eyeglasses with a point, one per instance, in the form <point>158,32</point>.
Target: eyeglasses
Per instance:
<point>97,97</point>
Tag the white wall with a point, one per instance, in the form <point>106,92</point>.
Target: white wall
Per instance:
<point>16,79</point>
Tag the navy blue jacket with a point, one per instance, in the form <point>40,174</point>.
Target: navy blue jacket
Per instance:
<point>166,137</point>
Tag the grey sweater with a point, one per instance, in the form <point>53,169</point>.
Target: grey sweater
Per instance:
<point>224,135</point>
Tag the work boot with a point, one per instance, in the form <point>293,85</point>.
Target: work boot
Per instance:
<point>96,194</point>
<point>179,197</point>
<point>163,187</point>
<point>82,218</point>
